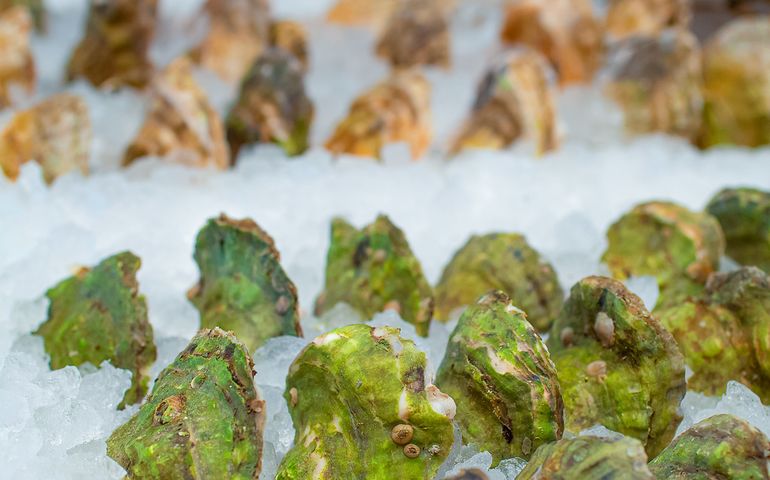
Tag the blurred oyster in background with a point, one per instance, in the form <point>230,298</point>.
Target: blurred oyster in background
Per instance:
<point>500,261</point>
<point>292,37</point>
<point>17,67</point>
<point>203,419</point>
<point>56,133</point>
<point>646,17</point>
<point>744,214</point>
<point>589,458</point>
<point>657,80</point>
<point>566,32</point>
<point>679,247</point>
<point>373,13</point>
<point>363,12</point>
<point>114,50</point>
<point>723,333</point>
<point>395,110</point>
<point>708,16</point>
<point>374,269</point>
<point>181,124</point>
<point>736,67</point>
<point>242,287</point>
<point>98,315</point>
<point>239,31</point>
<point>722,446</point>
<point>514,101</point>
<point>617,366</point>
<point>36,9</point>
<point>272,105</point>
<point>363,407</point>
<point>498,371</point>
<point>417,33</point>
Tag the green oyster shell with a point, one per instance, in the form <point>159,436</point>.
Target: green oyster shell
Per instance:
<point>723,333</point>
<point>744,214</point>
<point>503,261</point>
<point>347,391</point>
<point>203,418</point>
<point>98,315</point>
<point>272,106</point>
<point>617,366</point>
<point>722,446</point>
<point>243,287</point>
<point>589,458</point>
<point>374,269</point>
<point>500,374</point>
<point>677,246</point>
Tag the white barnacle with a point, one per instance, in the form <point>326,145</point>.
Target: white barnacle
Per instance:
<point>403,406</point>
<point>604,328</point>
<point>597,369</point>
<point>441,402</point>
<point>380,332</point>
<point>326,339</point>
<point>511,308</point>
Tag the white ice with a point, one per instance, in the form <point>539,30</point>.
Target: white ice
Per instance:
<point>53,424</point>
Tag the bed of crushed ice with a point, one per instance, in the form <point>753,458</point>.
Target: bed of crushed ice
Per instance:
<point>53,424</point>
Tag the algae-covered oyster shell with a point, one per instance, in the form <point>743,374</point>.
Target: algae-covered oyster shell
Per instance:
<point>36,9</point>
<point>656,80</point>
<point>566,32</point>
<point>617,366</point>
<point>589,458</point>
<point>242,286</point>
<point>203,419</point>
<point>272,105</point>
<point>17,65</point>
<point>114,51</point>
<point>744,214</point>
<point>500,374</point>
<point>724,334</point>
<point>396,110</point>
<point>714,343</point>
<point>239,31</point>
<point>291,37</point>
<point>722,446</point>
<point>181,123</point>
<point>514,101</point>
<point>417,33</point>
<point>56,133</point>
<point>362,408</point>
<point>626,18</point>
<point>677,246</point>
<point>500,261</point>
<point>373,269</point>
<point>98,315</point>
<point>736,90</point>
